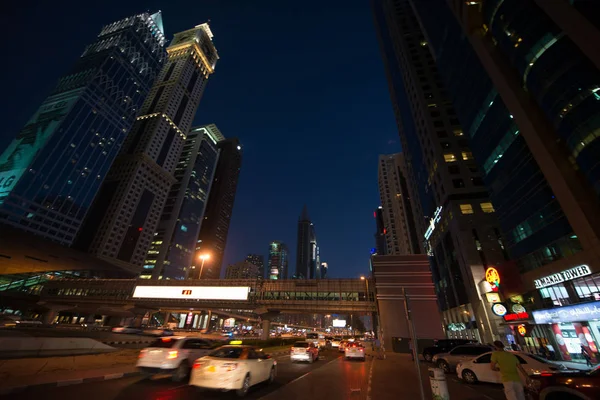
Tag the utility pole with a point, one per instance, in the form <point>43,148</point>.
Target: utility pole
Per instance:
<point>413,338</point>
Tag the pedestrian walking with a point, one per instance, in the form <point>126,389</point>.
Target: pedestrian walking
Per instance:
<point>588,357</point>
<point>510,367</point>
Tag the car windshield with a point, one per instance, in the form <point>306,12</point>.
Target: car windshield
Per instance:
<point>301,344</point>
<point>227,352</point>
<point>164,343</point>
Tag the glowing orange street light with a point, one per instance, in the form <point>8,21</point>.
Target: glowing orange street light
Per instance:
<point>203,257</point>
<point>362,278</point>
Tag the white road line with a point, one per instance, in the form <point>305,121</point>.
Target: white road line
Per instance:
<point>113,376</point>
<point>298,378</point>
<point>370,379</point>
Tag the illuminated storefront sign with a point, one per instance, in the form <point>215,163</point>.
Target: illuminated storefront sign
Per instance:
<point>493,297</point>
<point>433,221</point>
<point>568,275</point>
<point>578,312</point>
<point>493,278</point>
<point>499,309</point>
<point>522,330</point>
<point>192,293</point>
<point>457,326</point>
<point>518,308</point>
<point>517,316</point>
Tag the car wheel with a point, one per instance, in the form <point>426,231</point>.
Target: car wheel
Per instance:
<point>272,375</point>
<point>428,357</point>
<point>182,372</point>
<point>243,391</point>
<point>444,366</point>
<point>469,376</point>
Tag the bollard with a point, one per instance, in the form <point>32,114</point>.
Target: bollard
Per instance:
<point>439,388</point>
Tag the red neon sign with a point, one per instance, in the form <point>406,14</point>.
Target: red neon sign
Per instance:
<point>513,317</point>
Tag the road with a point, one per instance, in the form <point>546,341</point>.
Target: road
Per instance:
<point>330,378</point>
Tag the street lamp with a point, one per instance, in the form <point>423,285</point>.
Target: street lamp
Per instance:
<point>203,257</point>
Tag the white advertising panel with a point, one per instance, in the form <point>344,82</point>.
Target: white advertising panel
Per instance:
<point>192,292</point>
<point>339,323</point>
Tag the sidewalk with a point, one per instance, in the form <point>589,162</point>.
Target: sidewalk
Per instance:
<point>395,378</point>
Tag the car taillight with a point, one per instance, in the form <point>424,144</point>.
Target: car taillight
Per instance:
<point>198,364</point>
<point>361,349</point>
<point>142,353</point>
<point>172,354</point>
<point>230,366</point>
<point>546,374</point>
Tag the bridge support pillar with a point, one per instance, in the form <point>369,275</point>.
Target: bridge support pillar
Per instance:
<point>266,329</point>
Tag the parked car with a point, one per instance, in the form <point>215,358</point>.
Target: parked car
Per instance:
<point>565,385</point>
<point>233,368</point>
<point>478,369</point>
<point>173,355</point>
<point>132,330</point>
<point>443,346</point>
<point>449,361</point>
<point>15,321</point>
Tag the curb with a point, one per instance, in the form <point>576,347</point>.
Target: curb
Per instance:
<point>69,382</point>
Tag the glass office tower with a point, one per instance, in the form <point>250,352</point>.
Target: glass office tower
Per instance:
<point>53,169</point>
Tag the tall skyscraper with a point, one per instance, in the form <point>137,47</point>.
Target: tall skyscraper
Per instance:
<point>398,219</point>
<point>127,210</point>
<point>278,260</point>
<point>52,171</point>
<point>380,233</point>
<point>454,215</point>
<point>215,227</point>
<point>324,269</point>
<point>242,270</point>
<point>174,243</point>
<point>307,249</point>
<point>259,261</point>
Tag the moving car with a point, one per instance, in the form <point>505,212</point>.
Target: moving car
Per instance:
<point>313,338</point>
<point>443,346</point>
<point>132,330</point>
<point>448,361</point>
<point>342,346</point>
<point>336,342</point>
<point>354,350</point>
<point>233,368</point>
<point>565,385</point>
<point>478,369</point>
<point>173,355</point>
<point>159,331</point>
<point>15,321</point>
<point>304,351</point>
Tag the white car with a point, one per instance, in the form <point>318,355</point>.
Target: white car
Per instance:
<point>233,368</point>
<point>336,342</point>
<point>354,350</point>
<point>304,351</point>
<point>478,369</point>
<point>159,331</point>
<point>173,355</point>
<point>127,329</point>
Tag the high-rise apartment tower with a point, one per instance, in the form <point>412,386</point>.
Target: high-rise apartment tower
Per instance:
<point>278,260</point>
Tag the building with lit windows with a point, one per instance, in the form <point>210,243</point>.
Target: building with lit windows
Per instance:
<point>399,229</point>
<point>307,249</point>
<point>380,233</point>
<point>453,215</point>
<point>174,243</point>
<point>127,210</point>
<point>523,76</point>
<point>212,239</point>
<point>53,170</point>
<point>259,261</point>
<point>278,260</point>
<point>242,270</point>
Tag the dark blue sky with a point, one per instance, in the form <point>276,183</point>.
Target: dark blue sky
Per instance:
<point>300,83</point>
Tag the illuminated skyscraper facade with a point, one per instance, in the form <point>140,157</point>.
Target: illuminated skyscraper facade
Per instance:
<point>307,249</point>
<point>53,170</point>
<point>128,208</point>
<point>278,260</point>
<point>174,243</point>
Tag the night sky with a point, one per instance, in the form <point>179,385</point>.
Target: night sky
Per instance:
<point>300,83</point>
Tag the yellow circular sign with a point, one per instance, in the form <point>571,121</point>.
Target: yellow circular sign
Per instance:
<point>522,330</point>
<point>492,276</point>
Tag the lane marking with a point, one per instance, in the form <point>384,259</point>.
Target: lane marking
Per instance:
<point>369,385</point>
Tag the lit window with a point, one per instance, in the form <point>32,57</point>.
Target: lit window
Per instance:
<point>487,207</point>
<point>458,132</point>
<point>466,209</point>
<point>449,157</point>
<point>467,155</point>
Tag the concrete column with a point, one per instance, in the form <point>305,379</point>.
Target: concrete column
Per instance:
<point>48,317</point>
<point>137,321</point>
<point>266,329</point>
<point>167,317</point>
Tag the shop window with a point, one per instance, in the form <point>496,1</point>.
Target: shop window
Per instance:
<point>466,209</point>
<point>449,157</point>
<point>467,155</point>
<point>487,207</point>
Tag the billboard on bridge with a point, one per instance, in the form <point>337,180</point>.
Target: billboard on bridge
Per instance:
<point>339,323</point>
<point>192,292</point>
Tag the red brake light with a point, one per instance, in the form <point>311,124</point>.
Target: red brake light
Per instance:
<point>165,339</point>
<point>198,364</point>
<point>546,374</point>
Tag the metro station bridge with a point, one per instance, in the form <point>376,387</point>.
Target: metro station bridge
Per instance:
<point>271,297</point>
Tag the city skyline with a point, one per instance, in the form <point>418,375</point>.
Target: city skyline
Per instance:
<point>260,116</point>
